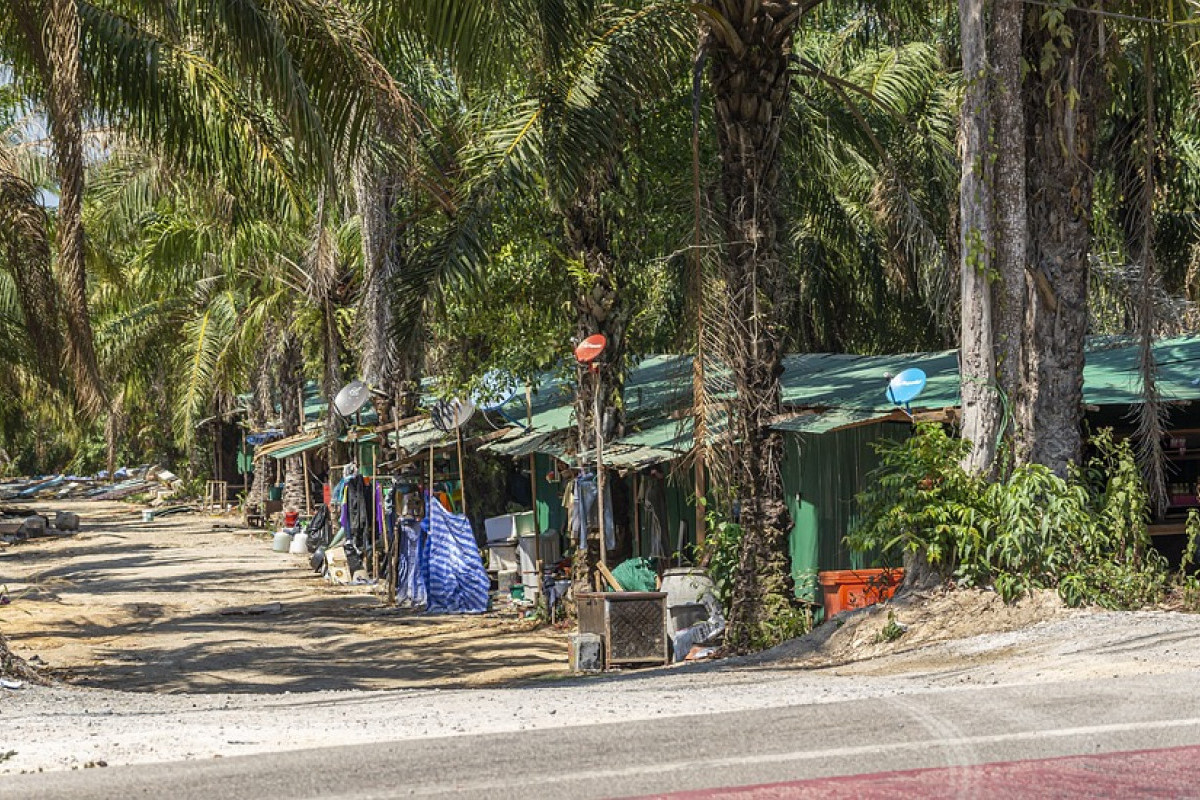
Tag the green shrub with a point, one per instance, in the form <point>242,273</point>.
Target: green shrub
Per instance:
<point>1084,536</point>
<point>719,554</point>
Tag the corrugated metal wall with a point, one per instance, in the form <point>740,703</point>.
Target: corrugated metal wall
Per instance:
<point>821,475</point>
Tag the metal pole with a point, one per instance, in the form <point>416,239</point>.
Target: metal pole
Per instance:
<point>600,469</point>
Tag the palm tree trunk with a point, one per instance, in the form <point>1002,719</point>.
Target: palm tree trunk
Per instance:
<point>751,87</point>
<point>599,308</point>
<point>65,109</point>
<point>291,384</point>
<point>389,362</point>
<point>375,190</point>
<point>260,412</point>
<point>1010,223</point>
<point>1062,98</point>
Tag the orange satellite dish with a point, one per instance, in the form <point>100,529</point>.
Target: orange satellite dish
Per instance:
<point>590,348</point>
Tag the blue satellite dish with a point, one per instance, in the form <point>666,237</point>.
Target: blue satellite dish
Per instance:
<point>495,389</point>
<point>905,387</point>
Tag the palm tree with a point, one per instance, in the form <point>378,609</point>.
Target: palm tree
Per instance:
<point>748,44</point>
<point>189,80</point>
<point>587,71</point>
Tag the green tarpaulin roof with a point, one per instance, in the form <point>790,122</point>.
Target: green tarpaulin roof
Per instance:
<point>836,391</point>
<point>295,448</point>
<point>1110,377</point>
<point>832,420</point>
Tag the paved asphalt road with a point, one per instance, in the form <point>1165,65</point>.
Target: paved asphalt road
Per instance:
<point>959,729</point>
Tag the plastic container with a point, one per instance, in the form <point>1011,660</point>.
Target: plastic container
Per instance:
<point>282,542</point>
<point>507,580</point>
<point>532,582</point>
<point>500,529</point>
<point>502,557</point>
<point>147,515</point>
<point>846,589</point>
<point>290,518</point>
<point>299,545</point>
<point>686,585</point>
<point>275,492</point>
<point>532,547</point>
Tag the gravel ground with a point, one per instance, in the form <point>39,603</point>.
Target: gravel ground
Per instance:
<point>56,728</point>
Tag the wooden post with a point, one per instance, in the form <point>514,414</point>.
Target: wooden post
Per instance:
<point>637,517</point>
<point>429,500</point>
<point>245,479</point>
<point>537,527</point>
<point>374,524</point>
<point>462,480</point>
<point>307,485</point>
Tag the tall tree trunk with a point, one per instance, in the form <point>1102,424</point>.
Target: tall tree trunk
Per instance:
<point>980,403</point>
<point>1062,97</point>
<point>992,225</point>
<point>375,190</point>
<point>260,412</point>
<point>291,384</point>
<point>751,88</point>
<point>65,109</point>
<point>325,281</point>
<point>391,359</point>
<point>1010,228</point>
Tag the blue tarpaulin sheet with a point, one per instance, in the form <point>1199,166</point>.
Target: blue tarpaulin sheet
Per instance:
<point>458,581</point>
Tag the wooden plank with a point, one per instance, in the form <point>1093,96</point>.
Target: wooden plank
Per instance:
<point>1167,529</point>
<point>608,576</point>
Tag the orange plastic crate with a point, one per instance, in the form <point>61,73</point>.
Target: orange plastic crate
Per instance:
<point>844,589</point>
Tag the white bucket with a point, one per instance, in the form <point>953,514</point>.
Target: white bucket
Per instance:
<point>299,546</point>
<point>147,515</point>
<point>282,542</point>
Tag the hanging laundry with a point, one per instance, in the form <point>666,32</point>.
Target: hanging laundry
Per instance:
<point>653,497</point>
<point>410,586</point>
<point>585,509</point>
<point>458,581</point>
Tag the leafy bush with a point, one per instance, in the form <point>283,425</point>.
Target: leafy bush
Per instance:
<point>1085,536</point>
<point>719,554</point>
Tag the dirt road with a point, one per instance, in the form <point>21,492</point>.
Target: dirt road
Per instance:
<point>127,605</point>
<point>148,606</point>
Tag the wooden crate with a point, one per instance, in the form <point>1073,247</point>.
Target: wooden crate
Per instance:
<point>632,625</point>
